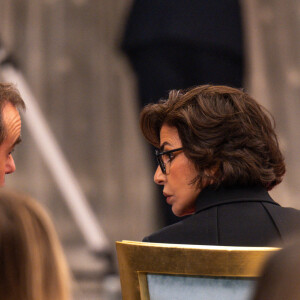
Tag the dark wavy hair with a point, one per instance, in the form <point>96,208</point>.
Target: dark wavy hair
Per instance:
<point>221,129</point>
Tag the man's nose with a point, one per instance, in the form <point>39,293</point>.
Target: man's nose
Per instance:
<point>10,165</point>
<point>159,176</point>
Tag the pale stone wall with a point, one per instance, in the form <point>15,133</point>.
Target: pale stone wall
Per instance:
<point>273,48</point>
<point>68,51</point>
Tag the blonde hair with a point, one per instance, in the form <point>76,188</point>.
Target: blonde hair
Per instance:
<point>32,263</point>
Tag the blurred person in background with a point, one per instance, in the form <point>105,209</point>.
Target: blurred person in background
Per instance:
<point>176,44</point>
<point>218,157</point>
<point>280,279</point>
<point>32,263</point>
<point>10,127</point>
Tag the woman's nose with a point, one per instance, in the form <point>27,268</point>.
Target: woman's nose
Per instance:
<point>159,176</point>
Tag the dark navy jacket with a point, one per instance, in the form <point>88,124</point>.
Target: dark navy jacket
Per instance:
<point>239,216</point>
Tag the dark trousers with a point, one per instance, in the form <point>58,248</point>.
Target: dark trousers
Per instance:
<point>163,67</point>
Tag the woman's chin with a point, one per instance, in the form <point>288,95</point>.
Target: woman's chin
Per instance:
<point>182,213</point>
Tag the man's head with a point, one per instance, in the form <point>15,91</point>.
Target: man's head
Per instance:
<point>10,127</point>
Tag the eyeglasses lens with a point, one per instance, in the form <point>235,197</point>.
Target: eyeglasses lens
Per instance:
<point>160,162</point>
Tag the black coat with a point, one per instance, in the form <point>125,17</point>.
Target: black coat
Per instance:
<point>239,216</point>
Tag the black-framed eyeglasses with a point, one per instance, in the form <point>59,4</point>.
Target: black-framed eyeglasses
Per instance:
<point>165,157</point>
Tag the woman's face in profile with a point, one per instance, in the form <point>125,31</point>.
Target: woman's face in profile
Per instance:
<point>178,190</point>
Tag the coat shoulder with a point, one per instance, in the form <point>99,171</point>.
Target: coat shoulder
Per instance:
<point>195,229</point>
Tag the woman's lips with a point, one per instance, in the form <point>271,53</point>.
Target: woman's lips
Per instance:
<point>168,198</point>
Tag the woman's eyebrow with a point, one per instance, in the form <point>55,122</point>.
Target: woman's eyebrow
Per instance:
<point>163,146</point>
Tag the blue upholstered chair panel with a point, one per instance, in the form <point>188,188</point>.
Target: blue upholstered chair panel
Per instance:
<point>166,287</point>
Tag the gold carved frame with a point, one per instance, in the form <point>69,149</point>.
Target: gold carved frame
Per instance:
<point>137,259</point>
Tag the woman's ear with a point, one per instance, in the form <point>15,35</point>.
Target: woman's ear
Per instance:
<point>210,175</point>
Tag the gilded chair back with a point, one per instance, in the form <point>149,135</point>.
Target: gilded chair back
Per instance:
<point>152,271</point>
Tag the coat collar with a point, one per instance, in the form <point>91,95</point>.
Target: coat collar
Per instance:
<point>211,196</point>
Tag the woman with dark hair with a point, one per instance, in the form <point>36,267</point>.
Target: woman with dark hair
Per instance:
<point>218,158</point>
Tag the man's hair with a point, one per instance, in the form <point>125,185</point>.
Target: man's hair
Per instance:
<point>221,129</point>
<point>8,94</point>
<point>32,263</point>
